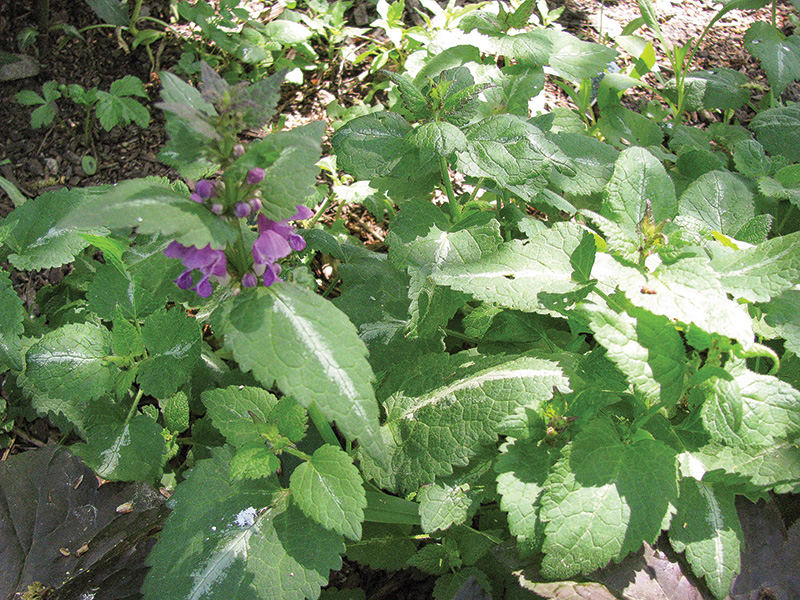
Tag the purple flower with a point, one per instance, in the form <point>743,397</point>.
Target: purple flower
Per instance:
<point>204,189</point>
<point>255,175</point>
<point>249,280</point>
<point>276,240</point>
<point>196,197</point>
<point>241,210</point>
<point>208,261</point>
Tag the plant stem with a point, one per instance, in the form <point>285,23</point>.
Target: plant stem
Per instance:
<point>785,219</point>
<point>322,425</point>
<point>134,406</point>
<point>455,209</point>
<point>295,452</point>
<point>320,212</point>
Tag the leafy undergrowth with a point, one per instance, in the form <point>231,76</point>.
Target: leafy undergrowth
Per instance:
<point>570,369</point>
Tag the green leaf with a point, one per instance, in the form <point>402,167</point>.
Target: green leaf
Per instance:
<point>638,177</point>
<point>242,413</point>
<point>254,462</point>
<point>383,546</point>
<point>176,412</point>
<point>706,527</point>
<point>238,538</point>
<point>290,178</point>
<point>37,237</point>
<point>43,115</point>
<point>783,313</point>
<point>113,12</point>
<point>29,98</point>
<point>70,363</point>
<point>643,346</point>
<point>576,60</point>
<point>289,335</point>
<point>12,314</point>
<point>177,91</point>
<point>533,275</point>
<point>375,145</point>
<point>120,451</point>
<point>127,339</point>
<point>261,99</point>
<point>762,272</point>
<point>721,200</point>
<point>137,291</point>
<point>751,160</point>
<point>442,416</point>
<point>511,151</point>
<point>128,86</point>
<point>152,207</point>
<point>522,469</point>
<point>329,489</point>
<point>778,54</point>
<point>774,467</point>
<point>433,306</point>
<point>712,89</point>
<point>173,341</point>
<point>593,160</point>
<point>439,137</point>
<point>604,498</point>
<point>778,130</point>
<point>687,291</point>
<point>623,127</point>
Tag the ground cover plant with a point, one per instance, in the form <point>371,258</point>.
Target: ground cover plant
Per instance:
<point>580,336</point>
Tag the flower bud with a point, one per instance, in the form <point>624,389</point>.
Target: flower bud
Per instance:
<point>241,210</point>
<point>238,150</point>
<point>196,197</point>
<point>204,189</point>
<point>255,204</point>
<point>217,208</point>
<point>255,175</point>
<point>249,280</point>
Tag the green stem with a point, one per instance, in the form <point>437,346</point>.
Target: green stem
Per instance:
<point>322,425</point>
<point>295,452</point>
<point>477,188</point>
<point>331,284</point>
<point>320,212</point>
<point>455,208</point>
<point>137,8</point>
<point>134,406</point>
<point>785,219</point>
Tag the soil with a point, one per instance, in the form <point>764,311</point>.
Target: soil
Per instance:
<point>37,160</point>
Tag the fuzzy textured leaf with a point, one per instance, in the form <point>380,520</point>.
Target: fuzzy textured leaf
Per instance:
<point>721,200</point>
<point>688,291</point>
<point>778,54</point>
<point>241,539</point>
<point>152,207</point>
<point>119,451</point>
<point>604,498</point>
<point>442,416</point>
<point>706,527</point>
<point>289,335</point>
<point>70,363</point>
<point>763,272</point>
<point>329,490</point>
<point>638,177</point>
<point>173,341</point>
<point>533,275</point>
<point>37,237</point>
<point>510,150</point>
<point>643,346</point>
